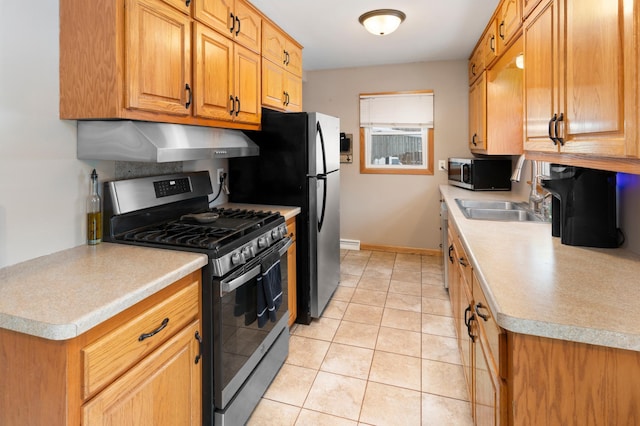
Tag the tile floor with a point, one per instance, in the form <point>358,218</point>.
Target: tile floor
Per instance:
<point>383,353</point>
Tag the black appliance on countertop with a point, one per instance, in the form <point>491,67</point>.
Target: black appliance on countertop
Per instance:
<point>480,173</point>
<point>240,358</point>
<point>583,208</point>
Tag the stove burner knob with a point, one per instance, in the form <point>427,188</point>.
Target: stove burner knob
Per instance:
<point>262,242</point>
<point>276,234</point>
<point>236,259</point>
<point>248,253</point>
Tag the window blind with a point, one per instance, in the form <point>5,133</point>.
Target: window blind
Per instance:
<point>397,110</point>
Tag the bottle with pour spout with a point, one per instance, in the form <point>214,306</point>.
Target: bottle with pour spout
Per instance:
<point>94,212</point>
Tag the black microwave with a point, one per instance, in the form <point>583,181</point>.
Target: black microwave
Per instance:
<point>481,174</point>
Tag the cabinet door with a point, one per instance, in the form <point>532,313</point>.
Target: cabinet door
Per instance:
<point>247,85</point>
<point>540,72</point>
<point>490,43</point>
<point>272,85</point>
<point>158,58</point>
<point>504,104</point>
<point>273,44</point>
<point>466,330</point>
<point>597,93</point>
<point>293,58</point>
<point>213,74</point>
<point>510,20</point>
<point>487,386</point>
<point>476,64</point>
<point>293,92</point>
<point>215,14</point>
<point>164,389</point>
<point>248,26</point>
<point>478,114</point>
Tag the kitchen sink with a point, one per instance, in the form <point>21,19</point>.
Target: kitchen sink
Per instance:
<point>487,204</point>
<point>505,211</point>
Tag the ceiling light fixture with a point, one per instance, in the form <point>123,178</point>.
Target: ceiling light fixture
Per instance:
<point>382,21</point>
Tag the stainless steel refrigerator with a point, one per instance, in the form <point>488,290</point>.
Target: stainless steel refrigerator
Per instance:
<point>299,165</point>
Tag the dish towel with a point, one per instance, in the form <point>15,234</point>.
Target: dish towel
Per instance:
<point>269,289</point>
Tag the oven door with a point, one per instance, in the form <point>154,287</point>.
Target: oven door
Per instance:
<point>239,343</point>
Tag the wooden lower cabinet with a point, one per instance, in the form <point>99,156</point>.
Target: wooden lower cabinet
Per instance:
<point>523,380</point>
<point>555,382</point>
<point>163,389</point>
<point>108,376</point>
<point>292,272</point>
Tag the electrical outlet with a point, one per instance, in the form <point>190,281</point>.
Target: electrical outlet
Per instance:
<point>219,174</point>
<point>442,165</point>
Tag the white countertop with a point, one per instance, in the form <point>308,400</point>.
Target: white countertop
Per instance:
<point>62,295</point>
<point>536,285</point>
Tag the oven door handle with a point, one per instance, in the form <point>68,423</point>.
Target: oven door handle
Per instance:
<point>284,248</point>
<point>229,286</point>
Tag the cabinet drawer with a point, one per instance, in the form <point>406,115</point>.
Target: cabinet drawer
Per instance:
<point>488,324</point>
<point>115,352</point>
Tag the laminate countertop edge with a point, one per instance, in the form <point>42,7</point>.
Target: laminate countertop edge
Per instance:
<point>64,294</point>
<point>535,285</point>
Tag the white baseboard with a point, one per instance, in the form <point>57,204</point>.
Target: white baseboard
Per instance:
<point>350,244</point>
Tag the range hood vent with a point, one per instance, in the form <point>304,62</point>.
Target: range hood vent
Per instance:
<point>159,142</point>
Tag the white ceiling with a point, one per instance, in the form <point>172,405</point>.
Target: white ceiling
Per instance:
<point>332,37</point>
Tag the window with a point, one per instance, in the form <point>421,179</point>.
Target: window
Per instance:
<point>396,133</point>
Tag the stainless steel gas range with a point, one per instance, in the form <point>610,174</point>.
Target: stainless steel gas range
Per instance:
<point>245,336</point>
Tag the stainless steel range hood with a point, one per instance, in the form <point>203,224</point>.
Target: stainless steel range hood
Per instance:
<point>159,142</point>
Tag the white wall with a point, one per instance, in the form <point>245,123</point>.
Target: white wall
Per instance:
<point>43,186</point>
<point>393,210</point>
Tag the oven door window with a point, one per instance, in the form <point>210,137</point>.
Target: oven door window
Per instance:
<point>243,341</point>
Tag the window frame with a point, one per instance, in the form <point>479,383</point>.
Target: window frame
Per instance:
<point>426,169</point>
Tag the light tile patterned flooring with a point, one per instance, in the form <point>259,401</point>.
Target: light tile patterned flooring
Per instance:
<point>383,353</point>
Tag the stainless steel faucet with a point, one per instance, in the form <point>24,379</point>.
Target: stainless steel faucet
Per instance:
<point>535,198</point>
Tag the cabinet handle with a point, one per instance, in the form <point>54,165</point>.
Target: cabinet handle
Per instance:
<point>233,22</point>
<point>492,44</point>
<point>190,98</point>
<point>187,3</point>
<point>481,315</point>
<point>238,30</point>
<point>501,30</point>
<point>467,322</point>
<point>559,139</point>
<point>238,107</point>
<point>233,105</point>
<point>199,339</point>
<point>450,250</point>
<point>154,332</point>
<point>473,69</point>
<point>288,58</point>
<point>553,119</point>
<point>473,139</point>
<point>463,262</point>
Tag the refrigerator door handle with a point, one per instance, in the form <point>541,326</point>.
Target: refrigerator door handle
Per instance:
<point>324,154</point>
<point>322,177</point>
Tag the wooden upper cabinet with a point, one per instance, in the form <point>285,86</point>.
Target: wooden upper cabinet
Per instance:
<point>235,19</point>
<point>281,49</point>
<point>581,78</point>
<point>509,22</point>
<point>213,74</point>
<point>281,70</point>
<point>227,77</point>
<point>476,63</point>
<point>247,81</point>
<point>504,100</point>
<point>158,58</point>
<point>490,43</point>
<point>478,114</point>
